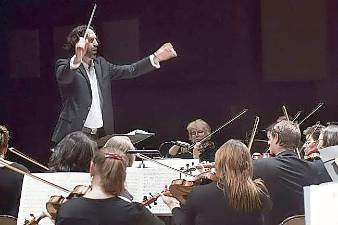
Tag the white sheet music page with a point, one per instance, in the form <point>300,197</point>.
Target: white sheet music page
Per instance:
<point>35,194</point>
<point>321,204</point>
<point>150,180</point>
<point>139,182</point>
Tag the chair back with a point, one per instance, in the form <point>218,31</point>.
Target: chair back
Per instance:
<point>294,220</point>
<point>7,220</point>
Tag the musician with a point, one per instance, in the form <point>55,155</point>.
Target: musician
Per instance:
<point>328,137</point>
<point>234,199</point>
<point>197,130</point>
<point>10,181</point>
<point>124,144</point>
<point>286,174</point>
<point>84,81</point>
<point>102,204</point>
<point>311,142</point>
<point>73,153</point>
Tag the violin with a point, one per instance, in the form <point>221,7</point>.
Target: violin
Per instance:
<point>180,188</point>
<point>55,202</point>
<point>312,156</point>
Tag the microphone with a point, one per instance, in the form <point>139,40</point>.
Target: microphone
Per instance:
<point>181,144</point>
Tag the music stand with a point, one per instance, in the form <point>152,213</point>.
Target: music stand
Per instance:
<point>135,137</point>
<point>329,157</point>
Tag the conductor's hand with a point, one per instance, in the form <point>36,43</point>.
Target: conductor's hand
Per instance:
<point>165,52</point>
<point>80,49</point>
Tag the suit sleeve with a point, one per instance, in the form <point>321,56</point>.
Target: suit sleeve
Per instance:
<point>185,215</point>
<point>64,74</point>
<point>136,69</point>
<point>147,218</point>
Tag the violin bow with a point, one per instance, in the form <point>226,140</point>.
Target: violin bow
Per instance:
<point>22,155</point>
<point>312,112</point>
<point>219,128</point>
<point>297,115</point>
<point>253,133</point>
<point>161,164</point>
<point>7,165</point>
<point>285,113</point>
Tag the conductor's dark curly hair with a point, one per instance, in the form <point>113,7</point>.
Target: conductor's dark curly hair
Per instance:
<point>74,36</point>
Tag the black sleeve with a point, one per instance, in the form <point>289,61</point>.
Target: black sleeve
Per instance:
<point>266,199</point>
<point>147,218</point>
<point>185,215</point>
<point>178,216</point>
<point>64,75</point>
<point>133,70</point>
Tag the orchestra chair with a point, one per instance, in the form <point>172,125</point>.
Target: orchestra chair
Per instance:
<point>294,220</point>
<point>7,220</point>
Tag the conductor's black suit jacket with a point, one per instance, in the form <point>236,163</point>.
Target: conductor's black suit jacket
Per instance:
<point>76,94</point>
<point>284,176</point>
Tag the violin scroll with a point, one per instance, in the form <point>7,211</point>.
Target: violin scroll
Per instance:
<point>33,220</point>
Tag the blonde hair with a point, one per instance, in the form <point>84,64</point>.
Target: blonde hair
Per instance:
<point>4,138</point>
<point>234,170</point>
<point>110,166</point>
<point>198,124</point>
<point>124,144</point>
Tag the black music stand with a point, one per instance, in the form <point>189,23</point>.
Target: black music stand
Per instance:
<point>135,137</point>
<point>329,157</point>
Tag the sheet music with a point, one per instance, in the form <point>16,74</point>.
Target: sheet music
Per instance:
<point>150,181</point>
<point>35,194</point>
<point>139,182</point>
<point>321,204</point>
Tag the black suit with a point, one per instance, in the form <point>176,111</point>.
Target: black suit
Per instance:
<point>207,205</point>
<point>76,92</point>
<point>284,176</point>
<point>321,172</point>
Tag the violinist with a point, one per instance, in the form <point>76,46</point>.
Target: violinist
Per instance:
<point>124,144</point>
<point>73,153</point>
<point>234,199</point>
<point>11,182</point>
<point>286,174</point>
<point>102,204</point>
<point>197,130</point>
<point>311,142</point>
<point>328,137</point>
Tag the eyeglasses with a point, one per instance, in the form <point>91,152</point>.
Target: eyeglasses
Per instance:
<point>198,132</point>
<point>309,142</point>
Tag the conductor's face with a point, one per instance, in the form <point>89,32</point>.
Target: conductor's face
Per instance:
<point>93,44</point>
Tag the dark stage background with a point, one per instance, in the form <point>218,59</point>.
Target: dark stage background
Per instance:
<point>231,55</point>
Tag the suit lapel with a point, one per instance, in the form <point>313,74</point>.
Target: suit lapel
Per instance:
<point>84,73</point>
